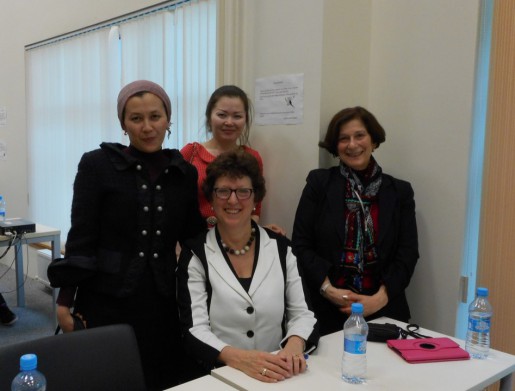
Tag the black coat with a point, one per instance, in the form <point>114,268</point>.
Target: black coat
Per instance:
<point>122,222</point>
<point>319,233</point>
<point>121,250</point>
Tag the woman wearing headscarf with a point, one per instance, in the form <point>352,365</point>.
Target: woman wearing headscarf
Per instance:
<point>131,205</point>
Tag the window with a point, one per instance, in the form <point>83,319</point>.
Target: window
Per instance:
<point>73,83</point>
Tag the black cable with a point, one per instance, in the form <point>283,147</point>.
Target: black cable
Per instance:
<point>411,330</point>
<point>11,242</point>
<point>14,259</point>
<point>8,247</point>
<point>8,269</point>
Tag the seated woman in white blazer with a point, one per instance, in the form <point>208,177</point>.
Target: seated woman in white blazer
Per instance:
<point>241,298</point>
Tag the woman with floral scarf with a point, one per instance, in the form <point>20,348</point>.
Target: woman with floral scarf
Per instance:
<point>355,232</point>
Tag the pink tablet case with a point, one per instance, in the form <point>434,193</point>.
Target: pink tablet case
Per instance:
<point>428,349</point>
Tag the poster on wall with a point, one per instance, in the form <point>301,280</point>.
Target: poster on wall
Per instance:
<point>279,100</point>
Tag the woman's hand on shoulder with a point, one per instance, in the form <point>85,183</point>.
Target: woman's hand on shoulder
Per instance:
<point>275,228</point>
<point>263,366</point>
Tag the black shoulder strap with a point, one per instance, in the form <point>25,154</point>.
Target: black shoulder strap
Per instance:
<point>282,246</point>
<point>196,246</point>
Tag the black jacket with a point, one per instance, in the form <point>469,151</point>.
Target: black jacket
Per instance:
<point>319,232</point>
<point>121,222</point>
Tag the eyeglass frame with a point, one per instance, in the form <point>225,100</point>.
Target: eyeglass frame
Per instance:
<point>235,191</point>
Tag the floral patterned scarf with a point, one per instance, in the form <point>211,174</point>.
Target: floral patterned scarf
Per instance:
<point>359,255</point>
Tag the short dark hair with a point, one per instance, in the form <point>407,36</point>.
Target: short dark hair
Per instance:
<point>234,164</point>
<point>374,128</point>
<point>231,91</point>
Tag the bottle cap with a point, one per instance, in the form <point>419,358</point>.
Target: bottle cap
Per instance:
<point>357,308</point>
<point>483,292</point>
<point>28,362</point>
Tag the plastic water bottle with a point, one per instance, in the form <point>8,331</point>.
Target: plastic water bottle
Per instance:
<point>354,360</point>
<point>29,379</point>
<point>2,208</point>
<point>478,333</point>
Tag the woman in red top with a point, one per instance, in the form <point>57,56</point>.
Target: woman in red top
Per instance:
<point>228,118</point>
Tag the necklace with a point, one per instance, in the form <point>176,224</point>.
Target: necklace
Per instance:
<point>244,249</point>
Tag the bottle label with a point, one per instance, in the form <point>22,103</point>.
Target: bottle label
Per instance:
<point>479,325</point>
<point>355,344</point>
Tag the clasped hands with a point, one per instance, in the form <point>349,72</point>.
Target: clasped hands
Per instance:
<point>264,366</point>
<point>344,298</point>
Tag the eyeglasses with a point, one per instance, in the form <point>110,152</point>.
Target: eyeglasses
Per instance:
<point>224,193</point>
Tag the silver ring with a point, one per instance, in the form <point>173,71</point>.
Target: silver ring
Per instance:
<point>345,297</point>
<point>263,372</point>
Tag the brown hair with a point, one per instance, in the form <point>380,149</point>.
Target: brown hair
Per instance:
<point>234,164</point>
<point>373,127</point>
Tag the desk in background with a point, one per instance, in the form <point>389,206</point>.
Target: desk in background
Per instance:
<point>42,234</point>
<point>385,370</point>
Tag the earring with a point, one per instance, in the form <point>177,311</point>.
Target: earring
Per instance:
<point>125,133</point>
<point>254,209</point>
<point>169,132</point>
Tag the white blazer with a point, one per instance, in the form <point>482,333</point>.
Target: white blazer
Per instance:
<point>222,313</point>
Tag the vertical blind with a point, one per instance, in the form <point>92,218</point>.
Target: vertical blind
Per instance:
<point>73,83</point>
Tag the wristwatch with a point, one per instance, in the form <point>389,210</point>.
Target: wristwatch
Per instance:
<point>324,288</point>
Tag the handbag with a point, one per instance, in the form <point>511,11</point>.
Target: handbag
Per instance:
<point>194,152</point>
<point>425,350</point>
<point>378,332</point>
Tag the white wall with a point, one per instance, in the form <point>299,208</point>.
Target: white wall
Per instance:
<point>345,61</point>
<point>421,88</point>
<point>411,63</point>
<point>287,42</point>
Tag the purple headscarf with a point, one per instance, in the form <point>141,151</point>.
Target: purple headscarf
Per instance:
<point>142,86</point>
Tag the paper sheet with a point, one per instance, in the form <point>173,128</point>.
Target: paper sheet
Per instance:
<point>279,100</point>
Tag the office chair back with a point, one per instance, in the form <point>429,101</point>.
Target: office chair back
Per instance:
<point>103,358</point>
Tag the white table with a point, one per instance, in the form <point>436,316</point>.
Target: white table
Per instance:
<point>208,383</point>
<point>42,234</point>
<point>385,370</point>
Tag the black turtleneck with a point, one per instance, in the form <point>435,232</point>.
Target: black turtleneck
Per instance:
<point>155,161</point>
